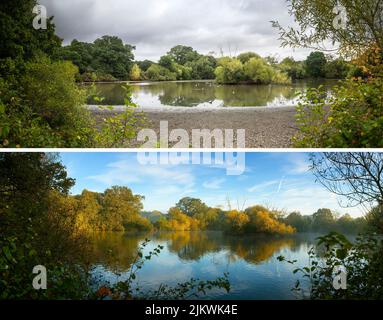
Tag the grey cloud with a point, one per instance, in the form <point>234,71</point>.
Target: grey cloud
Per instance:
<point>155,26</point>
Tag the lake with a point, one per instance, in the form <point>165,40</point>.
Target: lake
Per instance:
<point>205,94</point>
<point>251,261</point>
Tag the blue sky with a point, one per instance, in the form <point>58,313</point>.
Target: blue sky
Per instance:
<point>278,180</point>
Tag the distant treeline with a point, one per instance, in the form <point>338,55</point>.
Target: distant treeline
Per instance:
<point>108,59</point>
<point>118,209</point>
<point>325,220</point>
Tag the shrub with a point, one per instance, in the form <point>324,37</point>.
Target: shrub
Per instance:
<point>262,220</point>
<point>280,77</point>
<point>159,73</point>
<point>362,261</point>
<point>135,73</point>
<point>351,117</point>
<point>229,70</point>
<point>258,71</point>
<point>254,69</point>
<point>236,221</point>
<point>49,89</point>
<point>48,110</point>
<point>178,221</point>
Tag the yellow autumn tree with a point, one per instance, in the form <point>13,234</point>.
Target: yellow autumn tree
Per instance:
<point>178,221</point>
<point>135,73</point>
<point>236,221</point>
<point>261,220</point>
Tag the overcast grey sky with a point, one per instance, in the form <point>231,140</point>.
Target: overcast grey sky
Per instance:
<point>154,26</point>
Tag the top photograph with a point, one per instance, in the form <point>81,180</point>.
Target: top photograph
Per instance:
<point>247,74</point>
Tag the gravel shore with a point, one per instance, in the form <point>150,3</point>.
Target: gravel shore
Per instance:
<point>265,127</point>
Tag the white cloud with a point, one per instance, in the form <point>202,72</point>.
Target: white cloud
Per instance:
<point>298,164</point>
<point>280,184</point>
<point>128,171</point>
<point>214,184</point>
<point>262,187</point>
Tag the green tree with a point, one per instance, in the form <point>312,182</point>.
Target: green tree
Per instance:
<point>299,222</point>
<point>167,62</point>
<point>347,225</point>
<point>19,41</point>
<point>203,68</point>
<point>80,54</point>
<point>112,56</point>
<point>192,207</point>
<point>209,219</point>
<point>352,117</point>
<point>246,56</point>
<point>337,69</point>
<point>183,54</point>
<point>120,208</point>
<point>315,64</point>
<point>25,181</point>
<point>144,65</point>
<point>323,220</point>
<point>295,69</point>
<point>375,219</point>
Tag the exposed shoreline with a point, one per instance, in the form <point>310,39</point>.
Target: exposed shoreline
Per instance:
<point>265,127</point>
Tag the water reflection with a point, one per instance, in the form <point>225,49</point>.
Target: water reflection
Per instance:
<point>118,250</point>
<point>205,94</point>
<point>255,272</point>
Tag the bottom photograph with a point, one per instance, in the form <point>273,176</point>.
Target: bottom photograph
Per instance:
<point>191,226</point>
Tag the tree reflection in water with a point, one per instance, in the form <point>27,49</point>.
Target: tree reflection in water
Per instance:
<point>193,94</point>
<point>116,251</point>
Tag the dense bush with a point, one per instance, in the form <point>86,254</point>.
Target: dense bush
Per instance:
<point>261,220</point>
<point>254,70</point>
<point>258,71</point>
<point>337,69</point>
<point>159,73</point>
<point>48,110</point>
<point>352,116</point>
<point>229,70</point>
<point>294,69</point>
<point>177,221</point>
<point>49,89</point>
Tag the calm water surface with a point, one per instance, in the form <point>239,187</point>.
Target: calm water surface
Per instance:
<point>254,271</point>
<point>205,94</point>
